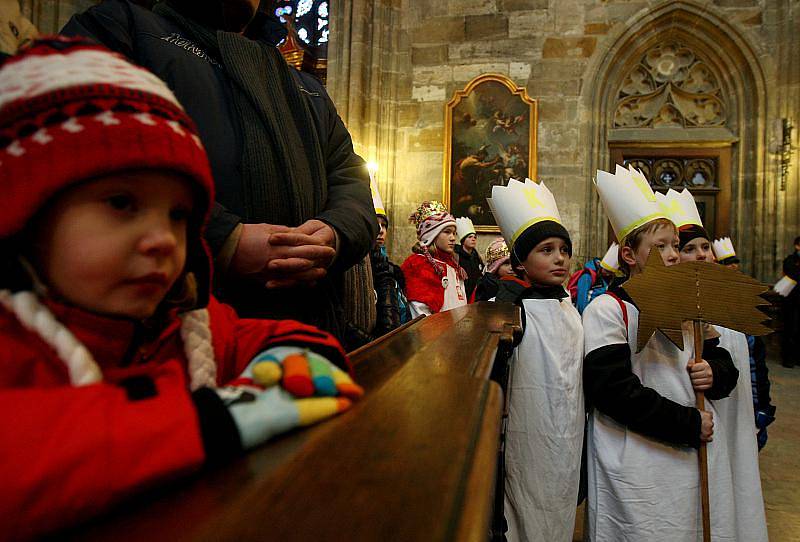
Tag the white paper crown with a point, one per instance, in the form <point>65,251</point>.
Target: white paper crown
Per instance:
<point>723,248</point>
<point>519,205</point>
<point>610,261</point>
<point>376,199</point>
<point>627,199</point>
<point>464,227</point>
<point>679,207</point>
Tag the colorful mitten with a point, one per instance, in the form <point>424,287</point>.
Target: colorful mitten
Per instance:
<point>301,372</point>
<point>262,414</point>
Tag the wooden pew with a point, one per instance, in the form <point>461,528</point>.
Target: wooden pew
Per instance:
<point>414,460</point>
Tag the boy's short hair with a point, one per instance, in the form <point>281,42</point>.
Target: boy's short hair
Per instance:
<point>634,238</point>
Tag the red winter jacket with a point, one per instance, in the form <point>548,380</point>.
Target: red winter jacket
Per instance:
<point>68,452</point>
<point>423,283</point>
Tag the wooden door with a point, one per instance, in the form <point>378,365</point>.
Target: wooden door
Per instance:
<point>705,170</point>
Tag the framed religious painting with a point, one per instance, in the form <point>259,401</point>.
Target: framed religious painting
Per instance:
<point>490,137</point>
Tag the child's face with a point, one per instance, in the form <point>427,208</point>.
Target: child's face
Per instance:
<point>381,239</point>
<point>116,245</point>
<point>698,249</point>
<point>505,270</point>
<point>470,241</point>
<point>548,263</point>
<point>446,240</point>
<point>664,239</point>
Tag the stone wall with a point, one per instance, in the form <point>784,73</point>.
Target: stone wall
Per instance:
<point>395,63</point>
<point>556,49</point>
<point>50,15</point>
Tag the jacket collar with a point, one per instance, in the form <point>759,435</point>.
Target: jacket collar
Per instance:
<point>536,291</point>
<point>112,340</point>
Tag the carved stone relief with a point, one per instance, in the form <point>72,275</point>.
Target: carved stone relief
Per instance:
<point>670,87</point>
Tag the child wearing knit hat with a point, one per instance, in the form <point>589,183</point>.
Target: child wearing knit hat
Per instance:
<point>725,254</point>
<point>112,347</point>
<point>468,257</point>
<point>545,396</point>
<point>390,285</point>
<point>498,268</point>
<point>643,479</point>
<point>736,413</point>
<point>434,280</point>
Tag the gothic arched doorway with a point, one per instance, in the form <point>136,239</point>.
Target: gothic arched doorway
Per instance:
<point>681,95</point>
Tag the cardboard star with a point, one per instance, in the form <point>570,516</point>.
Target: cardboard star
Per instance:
<point>702,291</point>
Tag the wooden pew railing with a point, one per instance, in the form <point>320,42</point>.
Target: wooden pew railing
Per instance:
<point>414,460</point>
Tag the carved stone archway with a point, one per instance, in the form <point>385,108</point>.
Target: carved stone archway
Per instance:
<point>732,110</point>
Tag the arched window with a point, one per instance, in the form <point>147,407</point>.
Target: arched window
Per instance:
<point>306,47</point>
<point>310,20</point>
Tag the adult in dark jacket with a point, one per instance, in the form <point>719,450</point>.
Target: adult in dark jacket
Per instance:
<point>790,310</point>
<point>292,209</point>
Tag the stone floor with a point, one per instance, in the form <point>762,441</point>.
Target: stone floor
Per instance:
<point>780,459</point>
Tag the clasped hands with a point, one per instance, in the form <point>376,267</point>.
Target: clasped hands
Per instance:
<point>283,388</point>
<point>282,257</point>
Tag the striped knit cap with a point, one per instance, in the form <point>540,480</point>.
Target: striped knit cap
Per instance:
<point>496,255</point>
<point>430,218</point>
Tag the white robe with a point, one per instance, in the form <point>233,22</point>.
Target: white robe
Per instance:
<point>641,489</point>
<point>545,424</point>
<point>736,412</point>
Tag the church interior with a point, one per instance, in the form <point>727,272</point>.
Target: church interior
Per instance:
<point>445,99</point>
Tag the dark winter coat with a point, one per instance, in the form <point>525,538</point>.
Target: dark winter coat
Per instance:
<point>473,265</point>
<point>205,90</point>
<point>510,288</point>
<point>389,286</point>
<point>487,287</point>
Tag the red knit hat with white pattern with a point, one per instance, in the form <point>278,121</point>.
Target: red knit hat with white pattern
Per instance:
<point>72,111</point>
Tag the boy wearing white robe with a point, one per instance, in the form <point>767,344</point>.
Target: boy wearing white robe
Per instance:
<point>545,396</point>
<point>643,428</point>
<point>735,412</point>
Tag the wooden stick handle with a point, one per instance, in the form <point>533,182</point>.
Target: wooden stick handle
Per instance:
<point>702,455</point>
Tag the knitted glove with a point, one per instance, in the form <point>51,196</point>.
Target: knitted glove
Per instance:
<point>764,418</point>
<point>301,372</point>
<point>261,414</point>
<point>311,389</point>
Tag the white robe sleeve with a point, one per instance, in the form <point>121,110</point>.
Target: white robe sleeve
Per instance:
<point>603,324</point>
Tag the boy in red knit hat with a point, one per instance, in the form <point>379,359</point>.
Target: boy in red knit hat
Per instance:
<point>434,280</point>
<point>112,348</point>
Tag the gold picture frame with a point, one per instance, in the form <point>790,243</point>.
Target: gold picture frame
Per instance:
<point>490,136</point>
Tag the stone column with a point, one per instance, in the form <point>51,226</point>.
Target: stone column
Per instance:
<point>363,76</point>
